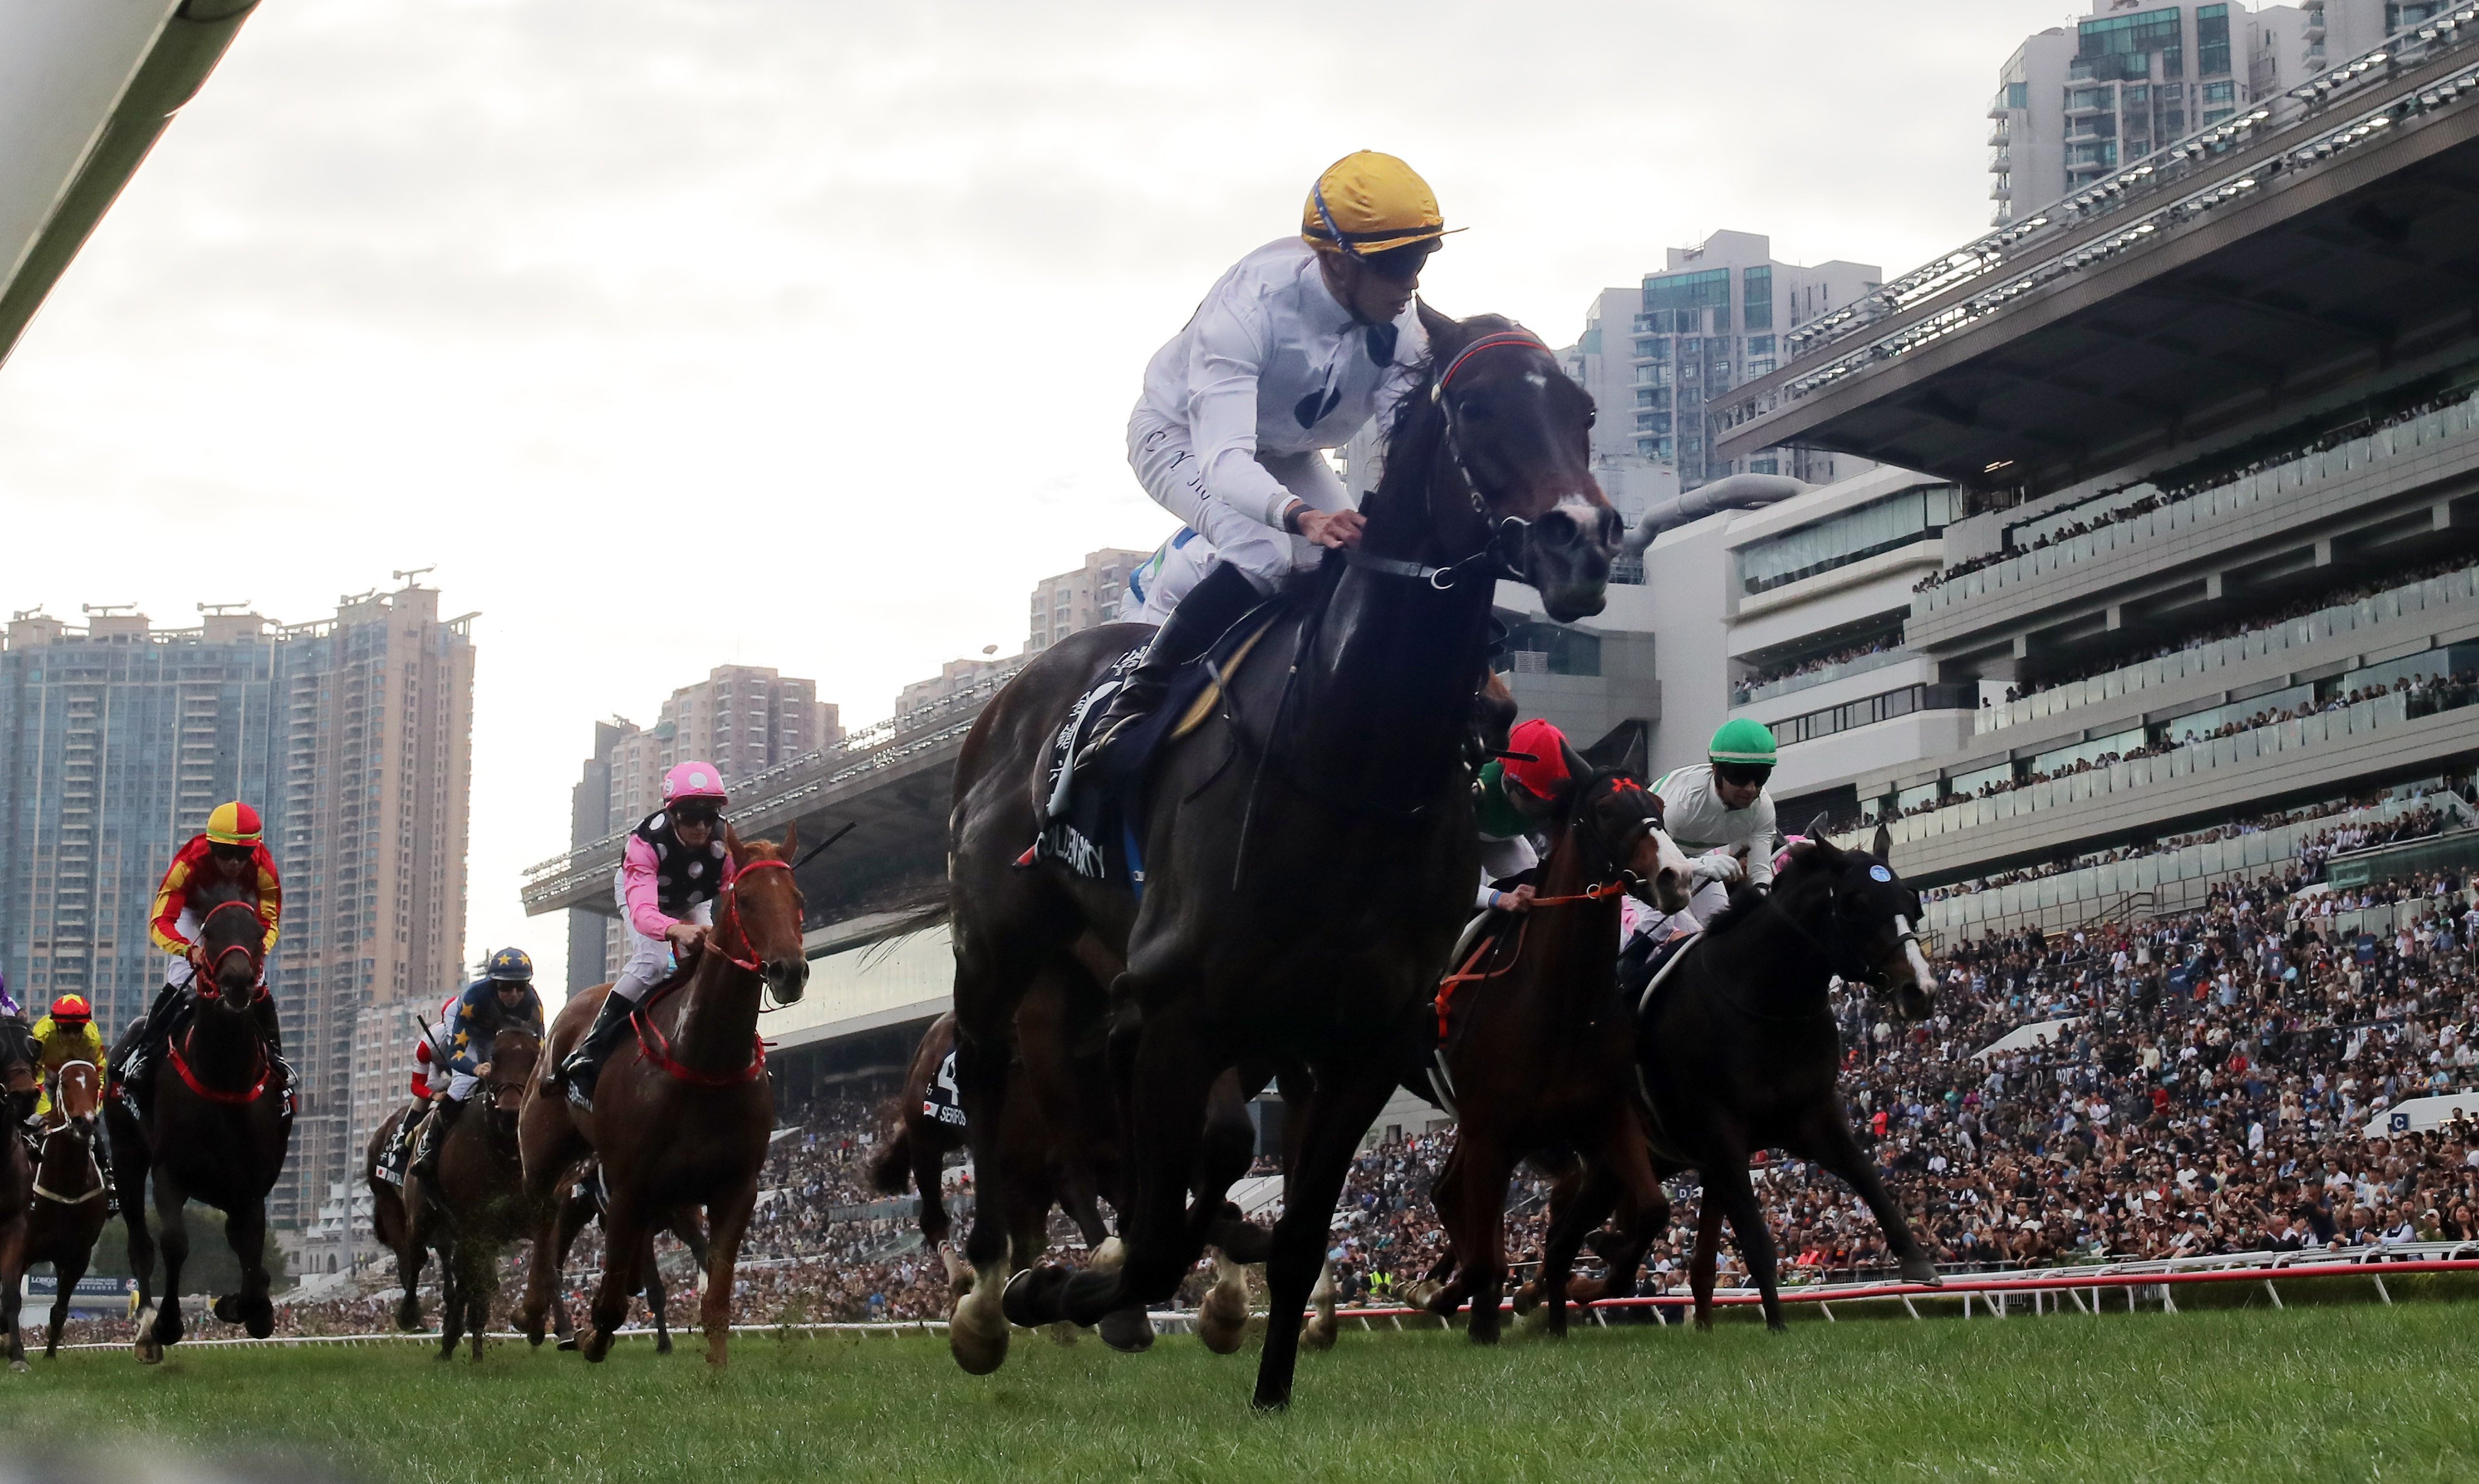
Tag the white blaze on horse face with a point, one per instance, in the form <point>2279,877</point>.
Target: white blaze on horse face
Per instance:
<point>1925,976</point>
<point>1671,873</point>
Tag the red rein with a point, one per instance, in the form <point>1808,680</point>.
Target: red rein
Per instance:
<point>657,1047</point>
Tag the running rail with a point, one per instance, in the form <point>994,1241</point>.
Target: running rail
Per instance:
<point>1993,1292</point>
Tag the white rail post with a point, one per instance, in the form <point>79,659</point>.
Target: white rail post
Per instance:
<point>2275,1293</point>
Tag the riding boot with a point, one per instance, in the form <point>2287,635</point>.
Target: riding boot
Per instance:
<point>434,1134</point>
<point>585,1064</point>
<point>1208,610</point>
<point>137,1073</point>
<point>270,1029</point>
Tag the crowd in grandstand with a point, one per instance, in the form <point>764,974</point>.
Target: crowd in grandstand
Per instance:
<point>2172,494</point>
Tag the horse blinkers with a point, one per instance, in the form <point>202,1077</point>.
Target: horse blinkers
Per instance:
<point>1857,900</point>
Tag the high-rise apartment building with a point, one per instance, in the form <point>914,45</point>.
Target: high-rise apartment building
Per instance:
<point>352,737</point>
<point>1080,600</point>
<point>1713,317</point>
<point>2133,78</point>
<point>744,719</point>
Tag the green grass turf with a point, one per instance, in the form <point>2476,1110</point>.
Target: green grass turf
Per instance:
<point>2313,1392</point>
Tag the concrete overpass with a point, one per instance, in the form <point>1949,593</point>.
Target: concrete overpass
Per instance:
<point>2320,245</point>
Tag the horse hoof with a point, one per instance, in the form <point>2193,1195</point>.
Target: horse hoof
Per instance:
<point>1109,1257</point>
<point>1417,1295</point>
<point>596,1346</point>
<point>227,1308</point>
<point>977,1335</point>
<point>148,1352</point>
<point>1920,1270</point>
<point>1128,1331</point>
<point>1223,1319</point>
<point>1061,1333</point>
<point>662,1344</point>
<point>18,1367</point>
<point>1526,1299</point>
<point>1481,1333</point>
<point>408,1317</point>
<point>569,1344</point>
<point>1319,1333</point>
<point>258,1317</point>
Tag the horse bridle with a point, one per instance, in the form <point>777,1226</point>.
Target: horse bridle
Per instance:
<point>731,913</point>
<point>1839,959</point>
<point>1507,532</point>
<point>208,969</point>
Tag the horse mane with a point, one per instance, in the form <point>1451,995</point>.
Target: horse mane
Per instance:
<point>1416,410</point>
<point>17,1043</point>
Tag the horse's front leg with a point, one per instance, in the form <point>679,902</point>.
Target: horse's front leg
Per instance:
<point>726,1221</point>
<point>624,1239</point>
<point>245,1229</point>
<point>174,1239</point>
<point>987,991</point>
<point>1830,1144</point>
<point>1482,1226</point>
<point>1341,1112</point>
<point>12,1279</point>
<point>1583,1213</point>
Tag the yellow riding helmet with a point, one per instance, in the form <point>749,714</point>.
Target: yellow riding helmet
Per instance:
<point>1369,203</point>
<point>233,824</point>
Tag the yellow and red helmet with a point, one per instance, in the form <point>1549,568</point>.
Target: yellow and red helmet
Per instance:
<point>72,1010</point>
<point>233,824</point>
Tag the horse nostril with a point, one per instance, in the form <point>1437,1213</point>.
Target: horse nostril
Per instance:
<point>1613,529</point>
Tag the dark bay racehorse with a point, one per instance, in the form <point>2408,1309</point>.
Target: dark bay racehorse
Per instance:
<point>1542,1055</point>
<point>1740,1053</point>
<point>482,1203</point>
<point>19,1087</point>
<point>682,1114</point>
<point>389,1223</point>
<point>216,1131</point>
<point>1310,850</point>
<point>67,1215</point>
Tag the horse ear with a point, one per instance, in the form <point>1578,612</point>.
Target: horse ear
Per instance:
<point>791,838</point>
<point>1621,748</point>
<point>732,842</point>
<point>1882,847</point>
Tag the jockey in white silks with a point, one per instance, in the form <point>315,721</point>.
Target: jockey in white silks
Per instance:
<point>1720,814</point>
<point>1302,345</point>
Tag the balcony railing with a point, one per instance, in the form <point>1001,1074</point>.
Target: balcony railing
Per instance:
<point>2392,605</point>
<point>2458,423</point>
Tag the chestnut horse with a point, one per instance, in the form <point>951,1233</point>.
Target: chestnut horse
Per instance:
<point>1309,849</point>
<point>1542,1056</point>
<point>69,1207</point>
<point>216,1131</point>
<point>682,1115</point>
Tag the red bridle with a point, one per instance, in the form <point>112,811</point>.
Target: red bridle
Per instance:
<point>208,968</point>
<point>731,913</point>
<point>1521,338</point>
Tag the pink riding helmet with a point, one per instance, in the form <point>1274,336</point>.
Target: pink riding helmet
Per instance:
<point>693,780</point>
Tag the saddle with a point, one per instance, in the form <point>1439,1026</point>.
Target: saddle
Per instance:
<point>1094,827</point>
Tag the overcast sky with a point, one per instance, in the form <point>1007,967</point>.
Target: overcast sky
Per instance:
<point>685,332</point>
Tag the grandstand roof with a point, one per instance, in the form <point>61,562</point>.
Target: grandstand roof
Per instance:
<point>2324,242</point>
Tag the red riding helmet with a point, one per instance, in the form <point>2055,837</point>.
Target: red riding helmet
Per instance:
<point>71,1010</point>
<point>1545,773</point>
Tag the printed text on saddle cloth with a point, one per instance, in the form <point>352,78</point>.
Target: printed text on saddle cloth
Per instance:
<point>940,1100</point>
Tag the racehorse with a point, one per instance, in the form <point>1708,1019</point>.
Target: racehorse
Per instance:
<point>482,1201</point>
<point>1738,1052</point>
<point>682,1115</point>
<point>1309,848</point>
<point>19,1087</point>
<point>584,1205</point>
<point>68,1209</point>
<point>391,1225</point>
<point>1541,1056</point>
<point>216,1129</point>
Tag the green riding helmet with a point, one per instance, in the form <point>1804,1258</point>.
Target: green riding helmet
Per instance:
<point>1747,743</point>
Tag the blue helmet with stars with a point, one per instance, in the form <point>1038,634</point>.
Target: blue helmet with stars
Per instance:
<point>511,966</point>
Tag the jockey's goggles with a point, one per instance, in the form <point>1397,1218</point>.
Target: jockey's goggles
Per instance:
<point>1742,774</point>
<point>696,812</point>
<point>232,855</point>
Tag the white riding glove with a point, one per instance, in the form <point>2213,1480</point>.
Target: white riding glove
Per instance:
<point>1718,866</point>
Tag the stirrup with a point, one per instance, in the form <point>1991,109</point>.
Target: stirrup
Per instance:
<point>1099,744</point>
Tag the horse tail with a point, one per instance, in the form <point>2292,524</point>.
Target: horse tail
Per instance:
<point>892,1170</point>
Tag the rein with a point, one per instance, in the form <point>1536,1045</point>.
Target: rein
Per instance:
<point>657,1047</point>
<point>175,1052</point>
